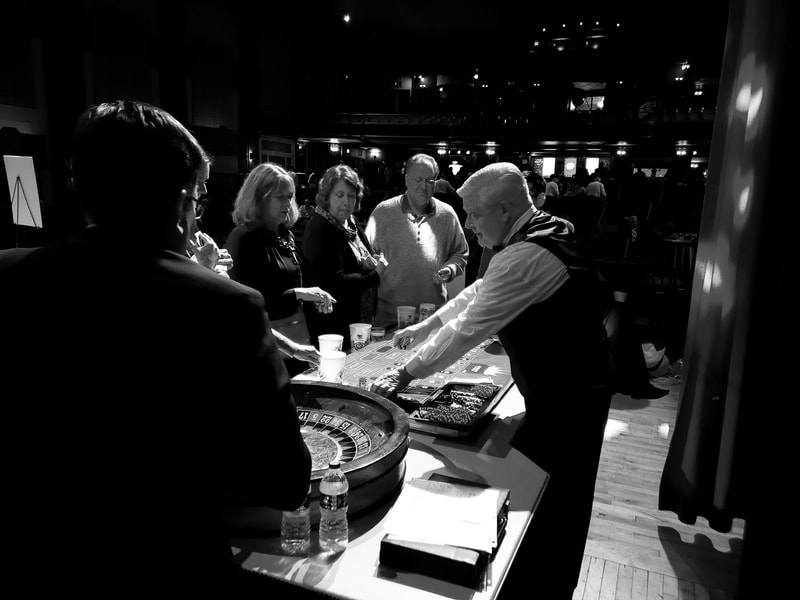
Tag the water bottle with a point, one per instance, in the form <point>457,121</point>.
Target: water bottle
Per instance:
<point>296,528</point>
<point>333,489</point>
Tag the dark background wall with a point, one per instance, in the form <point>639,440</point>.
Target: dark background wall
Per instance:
<point>233,70</point>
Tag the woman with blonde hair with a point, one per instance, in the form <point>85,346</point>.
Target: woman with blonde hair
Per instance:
<point>265,256</point>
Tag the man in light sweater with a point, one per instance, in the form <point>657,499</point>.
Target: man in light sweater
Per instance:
<point>422,240</point>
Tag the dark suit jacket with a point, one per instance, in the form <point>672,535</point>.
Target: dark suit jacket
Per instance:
<point>337,271</point>
<point>141,393</point>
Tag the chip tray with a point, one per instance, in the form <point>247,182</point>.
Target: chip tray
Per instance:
<point>453,410</point>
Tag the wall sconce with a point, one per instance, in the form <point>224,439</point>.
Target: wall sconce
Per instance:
<point>334,147</point>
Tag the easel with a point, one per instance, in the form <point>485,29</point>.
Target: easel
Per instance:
<point>20,173</point>
<point>20,189</point>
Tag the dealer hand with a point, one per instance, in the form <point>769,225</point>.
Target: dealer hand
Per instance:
<point>414,335</point>
<point>387,384</point>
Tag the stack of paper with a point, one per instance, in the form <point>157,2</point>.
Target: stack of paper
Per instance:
<point>445,530</point>
<point>438,512</point>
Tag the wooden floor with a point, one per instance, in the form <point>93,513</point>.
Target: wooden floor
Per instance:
<point>634,551</point>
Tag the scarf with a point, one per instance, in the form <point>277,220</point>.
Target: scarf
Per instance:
<point>349,228</point>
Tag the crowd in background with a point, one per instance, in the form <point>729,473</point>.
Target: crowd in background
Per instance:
<point>639,207</point>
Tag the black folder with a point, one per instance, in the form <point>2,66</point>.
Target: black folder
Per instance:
<point>463,566</point>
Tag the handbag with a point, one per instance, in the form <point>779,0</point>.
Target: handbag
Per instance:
<point>294,327</point>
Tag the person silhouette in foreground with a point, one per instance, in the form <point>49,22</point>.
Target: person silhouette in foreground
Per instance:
<point>145,387</point>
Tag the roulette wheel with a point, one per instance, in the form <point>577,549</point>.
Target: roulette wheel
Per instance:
<point>367,433</point>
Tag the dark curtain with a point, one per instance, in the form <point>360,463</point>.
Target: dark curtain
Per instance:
<point>731,454</point>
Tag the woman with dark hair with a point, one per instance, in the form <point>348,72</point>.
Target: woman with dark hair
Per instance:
<point>340,255</point>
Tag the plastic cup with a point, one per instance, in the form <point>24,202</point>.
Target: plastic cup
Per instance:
<point>330,341</point>
<point>331,365</point>
<point>377,334</point>
<point>359,335</point>
<point>406,315</point>
<point>426,309</point>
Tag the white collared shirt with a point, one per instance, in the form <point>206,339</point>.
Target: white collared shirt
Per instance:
<point>519,275</point>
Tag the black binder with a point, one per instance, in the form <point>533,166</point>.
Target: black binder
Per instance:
<point>463,566</point>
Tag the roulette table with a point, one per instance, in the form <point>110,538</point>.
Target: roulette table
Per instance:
<point>449,403</point>
<point>367,433</point>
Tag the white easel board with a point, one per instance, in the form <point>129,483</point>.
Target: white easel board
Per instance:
<point>23,191</point>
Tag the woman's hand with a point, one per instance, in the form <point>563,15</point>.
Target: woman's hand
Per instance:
<point>225,259</point>
<point>369,263</point>
<point>308,354</point>
<point>380,263</point>
<point>322,300</point>
<point>376,262</point>
<point>294,350</point>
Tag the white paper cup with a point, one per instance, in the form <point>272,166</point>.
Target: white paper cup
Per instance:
<point>330,341</point>
<point>331,365</point>
<point>359,335</point>
<point>426,309</point>
<point>406,315</point>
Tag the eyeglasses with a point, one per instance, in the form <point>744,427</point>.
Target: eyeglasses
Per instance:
<point>419,181</point>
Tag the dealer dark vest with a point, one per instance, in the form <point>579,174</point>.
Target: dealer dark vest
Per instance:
<point>558,346</point>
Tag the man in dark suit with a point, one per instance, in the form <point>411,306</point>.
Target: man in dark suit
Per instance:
<point>143,393</point>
